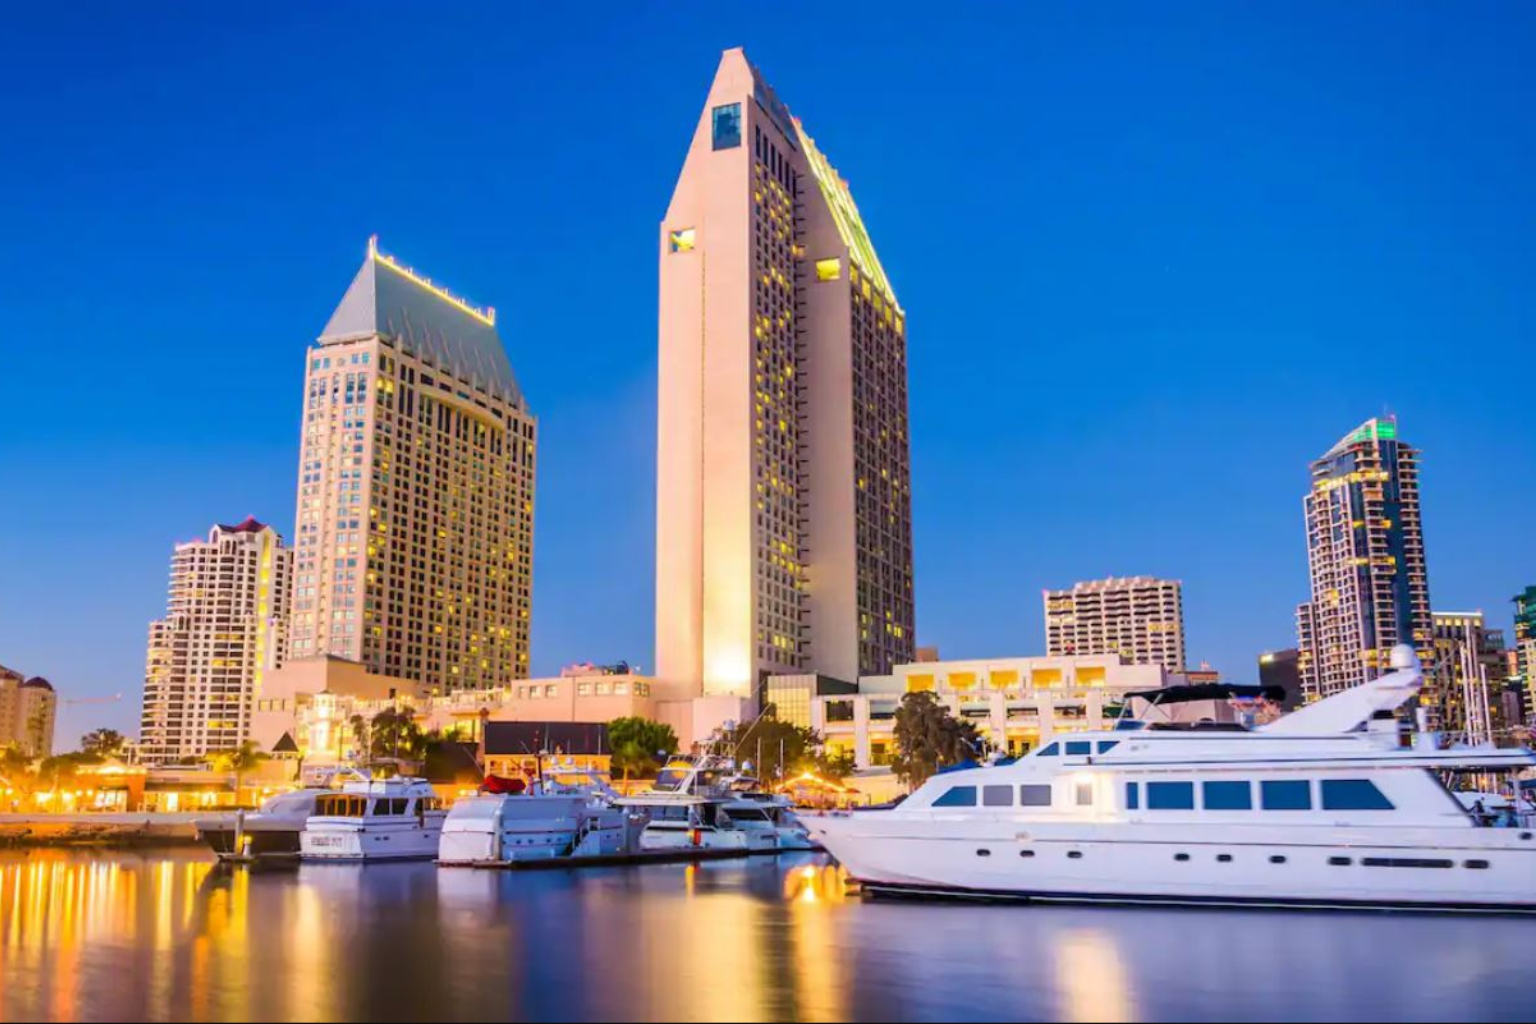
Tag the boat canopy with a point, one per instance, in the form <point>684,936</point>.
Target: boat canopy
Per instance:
<point>1208,691</point>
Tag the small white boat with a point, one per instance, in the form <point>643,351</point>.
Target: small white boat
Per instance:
<point>752,803</point>
<point>272,832</point>
<point>689,807</point>
<point>565,815</point>
<point>390,819</point>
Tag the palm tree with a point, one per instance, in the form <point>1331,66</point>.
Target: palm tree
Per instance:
<point>244,758</point>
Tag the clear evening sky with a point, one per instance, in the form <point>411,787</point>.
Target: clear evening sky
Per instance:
<point>1155,257</point>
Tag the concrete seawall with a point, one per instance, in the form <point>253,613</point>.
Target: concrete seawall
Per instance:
<point>138,829</point>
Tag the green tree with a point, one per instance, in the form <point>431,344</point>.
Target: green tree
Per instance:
<point>247,757</point>
<point>60,771</point>
<point>636,743</point>
<point>15,770</point>
<point>359,726</point>
<point>778,749</point>
<point>103,743</point>
<point>834,766</point>
<point>928,737</point>
<point>395,734</point>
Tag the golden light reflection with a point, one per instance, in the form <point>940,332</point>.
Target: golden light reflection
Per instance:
<point>1091,978</point>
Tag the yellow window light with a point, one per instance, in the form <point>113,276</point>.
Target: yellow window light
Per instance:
<point>829,269</point>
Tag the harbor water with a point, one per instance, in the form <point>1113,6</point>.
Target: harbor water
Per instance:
<point>172,936</point>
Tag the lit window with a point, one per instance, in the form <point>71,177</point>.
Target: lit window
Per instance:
<point>829,269</point>
<point>725,125</point>
<point>682,240</point>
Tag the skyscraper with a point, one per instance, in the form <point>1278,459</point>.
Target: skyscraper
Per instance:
<point>1525,646</point>
<point>415,499</point>
<point>226,613</point>
<point>1137,617</point>
<point>1465,694</point>
<point>784,522</point>
<point>1365,545</point>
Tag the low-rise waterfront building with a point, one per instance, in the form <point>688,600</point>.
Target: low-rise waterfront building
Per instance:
<point>1015,703</point>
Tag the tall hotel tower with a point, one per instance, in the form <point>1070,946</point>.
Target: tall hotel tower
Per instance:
<point>1365,543</point>
<point>784,501</point>
<point>415,506</point>
<point>222,632</point>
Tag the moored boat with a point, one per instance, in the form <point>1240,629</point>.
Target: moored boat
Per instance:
<point>389,819</point>
<point>1326,807</point>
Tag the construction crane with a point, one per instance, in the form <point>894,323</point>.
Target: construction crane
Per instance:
<point>94,700</point>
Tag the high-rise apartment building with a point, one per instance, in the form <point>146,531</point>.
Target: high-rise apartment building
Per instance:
<point>1525,646</point>
<point>1365,545</point>
<point>27,711</point>
<point>226,615</point>
<point>414,545</point>
<point>1465,693</point>
<point>1137,617</point>
<point>784,522</point>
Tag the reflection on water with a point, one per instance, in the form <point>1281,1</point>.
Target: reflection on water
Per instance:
<point>114,936</point>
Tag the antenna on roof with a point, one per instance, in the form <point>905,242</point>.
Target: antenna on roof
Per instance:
<point>373,244</point>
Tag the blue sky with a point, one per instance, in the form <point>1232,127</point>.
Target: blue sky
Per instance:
<point>1154,259</point>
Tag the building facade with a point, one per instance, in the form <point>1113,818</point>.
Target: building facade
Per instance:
<point>1015,703</point>
<point>1465,693</point>
<point>224,627</point>
<point>1283,669</point>
<point>1137,617</point>
<point>1365,546</point>
<point>784,523</point>
<point>28,708</point>
<point>414,546</point>
<point>1524,647</point>
<point>321,707</point>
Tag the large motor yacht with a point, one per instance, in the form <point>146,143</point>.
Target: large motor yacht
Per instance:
<point>389,819</point>
<point>1330,806</point>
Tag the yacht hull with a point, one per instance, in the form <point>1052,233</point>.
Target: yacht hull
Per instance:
<point>371,844</point>
<point>1489,870</point>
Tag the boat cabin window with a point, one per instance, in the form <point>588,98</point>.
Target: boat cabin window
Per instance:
<point>429,803</point>
<point>1105,746</point>
<point>1354,795</point>
<point>1227,796</point>
<point>997,796</point>
<point>1079,749</point>
<point>670,779</point>
<point>1170,796</point>
<point>389,806</point>
<point>1050,750</point>
<point>957,796</point>
<point>666,812</point>
<point>1133,796</point>
<point>341,805</point>
<point>1085,794</point>
<point>1035,796</point>
<point>1286,795</point>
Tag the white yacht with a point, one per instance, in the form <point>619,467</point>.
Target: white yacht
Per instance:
<point>1325,807</point>
<point>752,806</point>
<point>563,815</point>
<point>272,832</point>
<point>389,819</point>
<point>687,808</point>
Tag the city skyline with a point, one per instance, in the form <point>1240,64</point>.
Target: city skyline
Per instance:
<point>971,523</point>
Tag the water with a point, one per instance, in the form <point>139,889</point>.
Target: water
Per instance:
<point>87,936</point>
